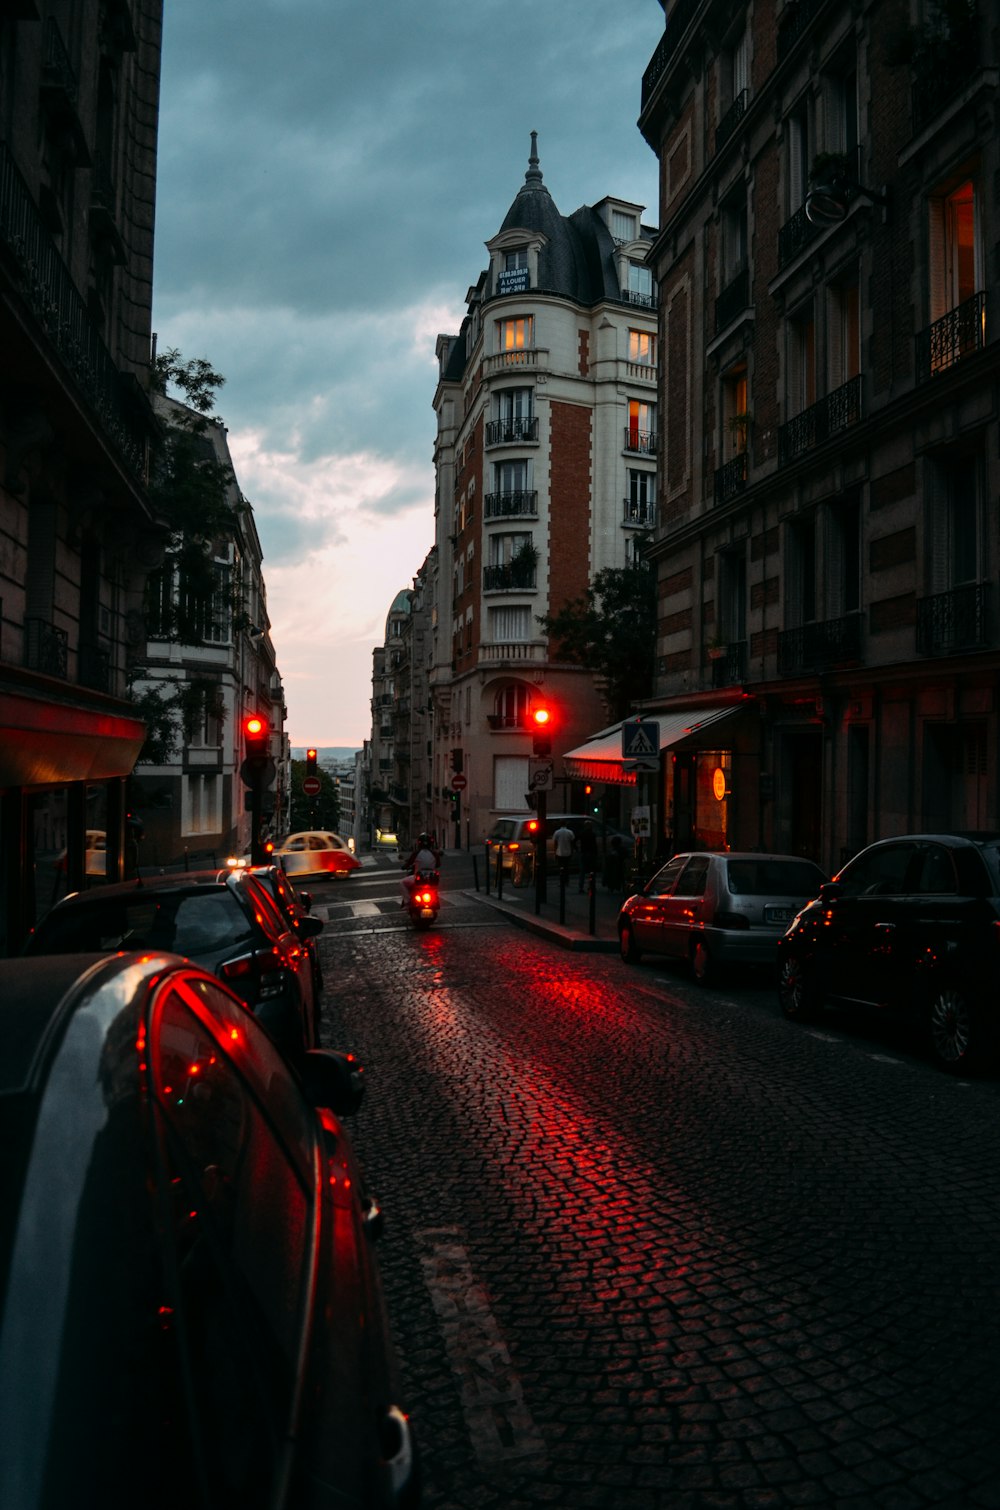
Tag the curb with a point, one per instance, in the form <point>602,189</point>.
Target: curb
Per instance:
<point>559,933</point>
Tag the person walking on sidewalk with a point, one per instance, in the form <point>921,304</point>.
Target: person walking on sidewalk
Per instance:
<point>563,841</point>
<point>588,853</point>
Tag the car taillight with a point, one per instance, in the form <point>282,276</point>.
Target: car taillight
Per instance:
<point>731,920</point>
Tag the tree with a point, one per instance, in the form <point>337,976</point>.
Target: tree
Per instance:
<point>611,629</point>
<point>322,812</point>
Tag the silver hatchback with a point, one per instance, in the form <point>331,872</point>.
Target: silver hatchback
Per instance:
<point>718,909</point>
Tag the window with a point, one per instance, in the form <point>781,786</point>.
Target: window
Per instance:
<point>733,221</point>
<point>515,337</point>
<point>509,625</point>
<point>956,543</point>
<point>800,600</point>
<point>510,782</point>
<point>801,362</point>
<point>954,253</point>
<point>641,488</point>
<point>640,435</point>
<point>642,348</point>
<point>844,344</point>
<point>514,404</point>
<point>640,283</point>
<point>623,225</point>
<point>201,805</point>
<point>735,418</point>
<point>511,477</point>
<point>842,568</point>
<point>510,707</point>
<point>880,872</point>
<point>798,150</point>
<point>506,548</point>
<point>516,259</point>
<point>736,69</point>
<point>731,607</point>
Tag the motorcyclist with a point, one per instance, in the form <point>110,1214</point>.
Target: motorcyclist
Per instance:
<point>422,857</point>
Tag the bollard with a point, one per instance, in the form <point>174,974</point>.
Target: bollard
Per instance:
<point>487,871</point>
<point>500,873</point>
<point>593,905</point>
<point>562,895</point>
<point>475,870</point>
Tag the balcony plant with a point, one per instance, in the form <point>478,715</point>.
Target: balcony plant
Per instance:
<point>829,168</point>
<point>738,426</point>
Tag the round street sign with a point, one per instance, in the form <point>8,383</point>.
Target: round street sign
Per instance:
<point>311,786</point>
<point>459,782</point>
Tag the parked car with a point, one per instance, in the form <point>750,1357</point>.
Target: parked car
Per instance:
<point>223,920</point>
<point>911,925</point>
<point>316,852</point>
<point>95,855</point>
<point>295,906</point>
<point>191,1308</point>
<point>717,909</point>
<point>513,838</point>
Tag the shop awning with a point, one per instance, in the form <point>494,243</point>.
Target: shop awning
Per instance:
<point>600,758</point>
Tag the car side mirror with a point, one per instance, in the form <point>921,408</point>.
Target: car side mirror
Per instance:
<point>830,891</point>
<point>334,1079</point>
<point>309,926</point>
<point>305,900</point>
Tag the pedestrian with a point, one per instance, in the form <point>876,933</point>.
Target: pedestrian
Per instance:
<point>563,841</point>
<point>588,853</point>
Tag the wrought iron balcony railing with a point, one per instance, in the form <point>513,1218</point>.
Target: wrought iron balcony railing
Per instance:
<point>733,300</point>
<point>814,425</point>
<point>731,119</point>
<point>641,441</point>
<point>510,578</point>
<point>520,504</point>
<point>503,432</point>
<point>640,513</point>
<point>812,647</point>
<point>951,621</point>
<point>957,334</point>
<point>793,24</point>
<point>644,301</point>
<point>62,313</point>
<point>45,648</point>
<point>731,478</point>
<point>730,668</point>
<point>678,17</point>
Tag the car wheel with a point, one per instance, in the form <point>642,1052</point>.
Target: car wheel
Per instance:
<point>630,951</point>
<point>702,964</point>
<point>796,992</point>
<point>954,1029</point>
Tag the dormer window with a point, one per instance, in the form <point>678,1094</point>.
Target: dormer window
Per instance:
<point>514,277</point>
<point>623,225</point>
<point>515,337</point>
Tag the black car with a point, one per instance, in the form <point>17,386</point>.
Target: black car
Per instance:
<point>191,1310</point>
<point>224,921</point>
<point>911,925</point>
<point>295,905</point>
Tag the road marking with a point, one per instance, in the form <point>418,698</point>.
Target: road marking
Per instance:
<point>500,1425</point>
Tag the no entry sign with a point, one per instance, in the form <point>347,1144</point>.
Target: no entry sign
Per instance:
<point>312,786</point>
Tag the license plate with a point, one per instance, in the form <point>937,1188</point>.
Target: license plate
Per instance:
<point>777,914</point>
<point>427,912</point>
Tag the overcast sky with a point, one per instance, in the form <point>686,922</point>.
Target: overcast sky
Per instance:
<point>328,175</point>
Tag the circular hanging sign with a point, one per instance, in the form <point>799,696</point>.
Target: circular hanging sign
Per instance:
<point>719,783</point>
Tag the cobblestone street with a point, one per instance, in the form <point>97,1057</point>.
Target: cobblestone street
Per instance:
<point>651,1245</point>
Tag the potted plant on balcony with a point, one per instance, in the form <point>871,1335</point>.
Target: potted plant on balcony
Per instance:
<point>829,168</point>
<point>716,649</point>
<point>738,426</point>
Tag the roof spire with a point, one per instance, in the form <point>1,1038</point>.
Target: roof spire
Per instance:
<point>534,173</point>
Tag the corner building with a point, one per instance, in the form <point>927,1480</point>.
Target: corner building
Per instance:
<point>545,465</point>
<point>828,543</point>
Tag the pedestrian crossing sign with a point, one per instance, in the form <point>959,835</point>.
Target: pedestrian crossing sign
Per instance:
<point>640,739</point>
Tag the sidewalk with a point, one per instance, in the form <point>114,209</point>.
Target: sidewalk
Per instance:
<point>575,931</point>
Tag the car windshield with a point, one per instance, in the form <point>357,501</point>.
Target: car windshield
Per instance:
<point>183,924</point>
<point>503,830</point>
<point>774,878</point>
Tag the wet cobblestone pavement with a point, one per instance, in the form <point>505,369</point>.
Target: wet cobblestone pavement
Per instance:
<point>648,1245</point>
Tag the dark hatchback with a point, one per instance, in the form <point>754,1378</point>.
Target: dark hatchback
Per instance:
<point>224,921</point>
<point>911,925</point>
<point>191,1309</point>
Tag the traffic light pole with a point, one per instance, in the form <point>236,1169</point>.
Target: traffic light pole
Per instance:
<point>257,854</point>
<point>541,851</point>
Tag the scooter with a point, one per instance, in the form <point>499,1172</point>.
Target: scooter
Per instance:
<point>425,899</point>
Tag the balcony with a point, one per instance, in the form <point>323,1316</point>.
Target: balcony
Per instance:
<point>514,577</point>
<point>521,504</point>
<point>731,120</point>
<point>643,301</point>
<point>817,647</point>
<point>45,648</point>
<point>957,334</point>
<point>731,478</point>
<point>794,23</point>
<point>733,300</point>
<point>838,411</point>
<point>512,651</point>
<point>952,621</point>
<point>729,664</point>
<point>640,442</point>
<point>505,361</point>
<point>512,432</point>
<point>62,314</point>
<point>639,513</point>
<point>678,18</point>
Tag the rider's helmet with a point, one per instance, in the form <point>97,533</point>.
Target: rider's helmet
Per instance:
<point>424,841</point>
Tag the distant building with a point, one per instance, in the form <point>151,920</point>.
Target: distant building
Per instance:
<point>193,804</point>
<point>546,471</point>
<point>829,398</point>
<point>79,92</point>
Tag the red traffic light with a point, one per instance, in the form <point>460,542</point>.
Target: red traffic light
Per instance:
<point>540,717</point>
<point>310,762</point>
<point>254,726</point>
<point>541,720</point>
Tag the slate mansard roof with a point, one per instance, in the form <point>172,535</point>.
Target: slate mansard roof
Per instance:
<point>575,262</point>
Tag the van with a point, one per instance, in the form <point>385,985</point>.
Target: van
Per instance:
<point>514,838</point>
